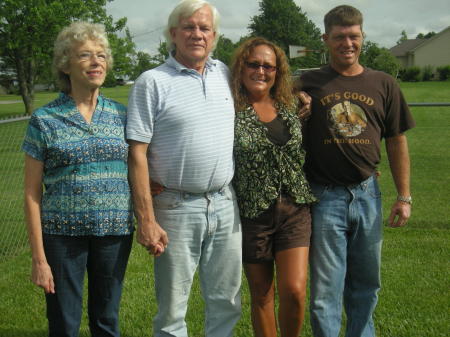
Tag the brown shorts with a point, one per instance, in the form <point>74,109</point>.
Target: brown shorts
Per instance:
<point>283,225</point>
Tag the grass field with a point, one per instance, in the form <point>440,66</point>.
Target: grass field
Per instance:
<point>414,300</point>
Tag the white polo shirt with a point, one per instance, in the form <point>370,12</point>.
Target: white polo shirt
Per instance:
<point>188,120</point>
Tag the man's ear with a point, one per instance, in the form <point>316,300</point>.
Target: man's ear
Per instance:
<point>172,33</point>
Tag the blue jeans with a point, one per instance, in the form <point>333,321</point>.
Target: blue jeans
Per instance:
<point>105,259</point>
<point>345,258</point>
<point>204,231</point>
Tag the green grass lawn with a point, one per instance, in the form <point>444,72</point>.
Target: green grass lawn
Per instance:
<point>414,92</point>
<point>414,300</point>
<point>17,109</point>
<point>426,91</point>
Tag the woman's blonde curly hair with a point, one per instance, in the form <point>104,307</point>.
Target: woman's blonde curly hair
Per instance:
<point>76,32</point>
<point>281,91</point>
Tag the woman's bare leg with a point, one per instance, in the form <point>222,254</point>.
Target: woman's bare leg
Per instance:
<point>260,280</point>
<point>292,275</point>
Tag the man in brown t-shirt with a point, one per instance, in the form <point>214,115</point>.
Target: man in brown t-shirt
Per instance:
<point>353,108</point>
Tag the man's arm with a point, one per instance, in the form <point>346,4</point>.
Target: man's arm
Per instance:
<point>398,155</point>
<point>149,233</point>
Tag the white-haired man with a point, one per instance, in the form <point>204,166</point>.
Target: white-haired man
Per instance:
<point>180,129</point>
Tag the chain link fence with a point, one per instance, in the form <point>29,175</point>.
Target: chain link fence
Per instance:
<point>13,236</point>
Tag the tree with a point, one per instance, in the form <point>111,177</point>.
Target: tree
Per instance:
<point>284,23</point>
<point>372,56</point>
<point>386,62</point>
<point>143,62</point>
<point>224,50</point>
<point>370,50</point>
<point>122,48</point>
<point>28,29</point>
<point>426,36</point>
<point>403,37</point>
<point>163,53</point>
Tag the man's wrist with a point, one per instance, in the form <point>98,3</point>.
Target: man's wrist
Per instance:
<point>407,199</point>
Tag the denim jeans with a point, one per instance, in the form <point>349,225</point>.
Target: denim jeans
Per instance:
<point>105,259</point>
<point>345,258</point>
<point>204,231</point>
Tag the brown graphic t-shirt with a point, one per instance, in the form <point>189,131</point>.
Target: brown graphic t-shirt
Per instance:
<point>350,116</point>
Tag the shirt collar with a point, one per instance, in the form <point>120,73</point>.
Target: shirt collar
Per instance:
<point>69,101</point>
<point>172,62</point>
<point>69,98</point>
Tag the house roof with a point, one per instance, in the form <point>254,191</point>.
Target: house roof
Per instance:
<point>406,46</point>
<point>409,46</point>
<point>437,36</point>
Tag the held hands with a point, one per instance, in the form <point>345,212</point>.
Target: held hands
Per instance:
<point>153,238</point>
<point>156,189</point>
<point>400,213</point>
<point>41,275</point>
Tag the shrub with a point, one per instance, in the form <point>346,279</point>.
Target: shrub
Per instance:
<point>386,62</point>
<point>427,73</point>
<point>444,72</point>
<point>411,74</point>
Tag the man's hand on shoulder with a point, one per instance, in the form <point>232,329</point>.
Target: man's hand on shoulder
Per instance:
<point>304,111</point>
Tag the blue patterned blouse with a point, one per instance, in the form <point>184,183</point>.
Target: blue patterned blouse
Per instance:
<point>85,168</point>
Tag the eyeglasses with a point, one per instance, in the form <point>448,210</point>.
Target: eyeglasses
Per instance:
<point>87,56</point>
<point>266,67</point>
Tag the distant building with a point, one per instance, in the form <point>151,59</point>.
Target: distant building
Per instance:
<point>434,51</point>
<point>8,81</point>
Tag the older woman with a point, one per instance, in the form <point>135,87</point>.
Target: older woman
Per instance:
<point>82,218</point>
<point>271,189</point>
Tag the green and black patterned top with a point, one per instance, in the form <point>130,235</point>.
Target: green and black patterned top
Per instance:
<point>264,169</point>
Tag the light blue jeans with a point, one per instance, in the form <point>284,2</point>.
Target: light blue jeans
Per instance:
<point>345,258</point>
<point>204,231</point>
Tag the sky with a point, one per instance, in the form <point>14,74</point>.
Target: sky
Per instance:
<point>384,20</point>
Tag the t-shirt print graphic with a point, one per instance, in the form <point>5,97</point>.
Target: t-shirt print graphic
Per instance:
<point>347,119</point>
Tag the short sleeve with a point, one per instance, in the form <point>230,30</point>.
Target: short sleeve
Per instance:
<point>398,116</point>
<point>141,110</point>
<point>34,143</point>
